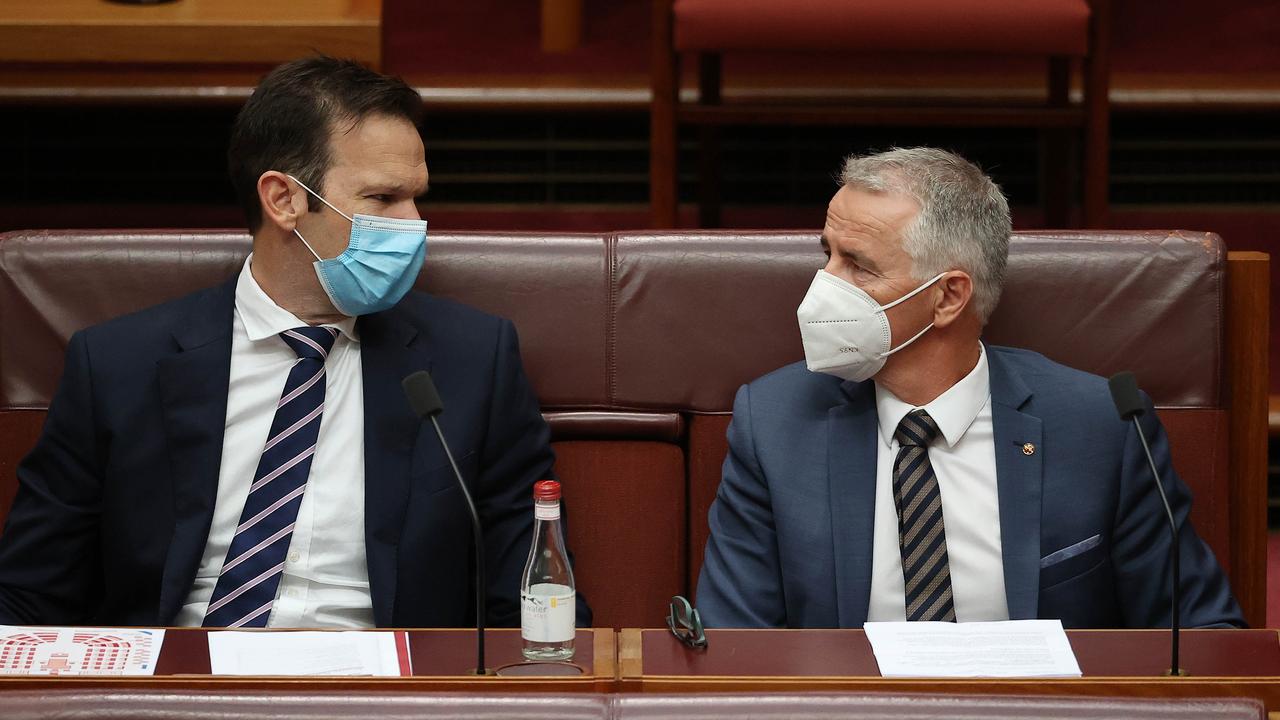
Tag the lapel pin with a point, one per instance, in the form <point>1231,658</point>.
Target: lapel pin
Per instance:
<point>1028,448</point>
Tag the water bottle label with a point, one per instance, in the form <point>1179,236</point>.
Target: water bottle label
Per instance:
<point>547,612</point>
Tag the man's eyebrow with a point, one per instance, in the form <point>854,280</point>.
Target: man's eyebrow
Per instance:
<point>391,188</point>
<point>853,255</point>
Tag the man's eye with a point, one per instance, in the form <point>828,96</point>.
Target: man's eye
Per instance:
<point>380,198</point>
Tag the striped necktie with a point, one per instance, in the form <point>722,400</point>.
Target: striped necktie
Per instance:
<point>926,574</point>
<point>251,571</point>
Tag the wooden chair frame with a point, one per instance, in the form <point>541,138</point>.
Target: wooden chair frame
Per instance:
<point>1055,118</point>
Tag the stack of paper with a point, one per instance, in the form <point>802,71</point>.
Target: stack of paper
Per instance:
<point>380,654</point>
<point>1016,648</point>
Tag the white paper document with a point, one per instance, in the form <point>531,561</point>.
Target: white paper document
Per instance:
<point>380,654</point>
<point>1016,648</point>
<point>78,650</point>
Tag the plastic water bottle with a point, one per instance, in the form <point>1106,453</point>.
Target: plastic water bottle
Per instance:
<point>548,606</point>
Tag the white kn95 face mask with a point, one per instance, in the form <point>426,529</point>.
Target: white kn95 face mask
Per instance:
<point>845,331</point>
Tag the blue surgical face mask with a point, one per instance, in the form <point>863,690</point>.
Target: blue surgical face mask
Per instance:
<point>382,259</point>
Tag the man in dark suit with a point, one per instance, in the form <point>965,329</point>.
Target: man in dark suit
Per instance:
<point>245,456</point>
<point>908,471</point>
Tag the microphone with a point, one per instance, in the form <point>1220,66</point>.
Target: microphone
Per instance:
<point>1124,393</point>
<point>426,404</point>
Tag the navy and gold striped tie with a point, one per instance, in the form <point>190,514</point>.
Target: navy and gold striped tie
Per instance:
<point>923,540</point>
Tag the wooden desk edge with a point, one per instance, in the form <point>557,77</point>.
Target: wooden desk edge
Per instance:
<point>631,668</point>
<point>601,677</point>
<point>604,653</point>
<point>1264,689</point>
<point>451,683</point>
<point>630,656</point>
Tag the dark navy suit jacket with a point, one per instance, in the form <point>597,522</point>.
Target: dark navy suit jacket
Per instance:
<point>1083,533</point>
<point>115,502</point>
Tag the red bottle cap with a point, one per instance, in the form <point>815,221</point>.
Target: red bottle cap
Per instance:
<point>546,490</point>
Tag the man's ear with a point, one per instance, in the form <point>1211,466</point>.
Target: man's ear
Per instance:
<point>956,293</point>
<point>281,200</point>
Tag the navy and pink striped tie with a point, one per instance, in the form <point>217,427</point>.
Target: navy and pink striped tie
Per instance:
<point>251,573</point>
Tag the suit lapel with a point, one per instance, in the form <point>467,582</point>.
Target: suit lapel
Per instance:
<point>390,349</point>
<point>851,473</point>
<point>193,397</point>
<point>1019,481</point>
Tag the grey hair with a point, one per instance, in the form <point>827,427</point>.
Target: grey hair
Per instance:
<point>963,223</point>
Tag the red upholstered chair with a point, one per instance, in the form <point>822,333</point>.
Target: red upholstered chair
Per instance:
<point>623,467</point>
<point>636,342</point>
<point>847,706</point>
<point>1062,32</point>
<point>138,702</point>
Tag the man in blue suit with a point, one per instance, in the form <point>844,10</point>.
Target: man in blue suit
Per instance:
<point>908,471</point>
<point>245,456</point>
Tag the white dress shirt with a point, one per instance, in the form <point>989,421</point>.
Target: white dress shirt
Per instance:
<point>964,460</point>
<point>326,578</point>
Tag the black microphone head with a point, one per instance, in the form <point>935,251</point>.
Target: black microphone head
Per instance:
<point>422,394</point>
<point>1124,393</point>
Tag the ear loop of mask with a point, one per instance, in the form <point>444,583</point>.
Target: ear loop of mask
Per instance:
<point>908,296</point>
<point>331,207</point>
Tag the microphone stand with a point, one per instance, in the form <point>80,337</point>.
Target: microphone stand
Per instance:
<point>1174,668</point>
<point>479,540</point>
<point>423,397</point>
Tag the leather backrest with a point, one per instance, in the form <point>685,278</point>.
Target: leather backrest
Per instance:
<point>833,706</point>
<point>211,704</point>
<point>214,704</point>
<point>53,283</point>
<point>698,313</point>
<point>674,321</point>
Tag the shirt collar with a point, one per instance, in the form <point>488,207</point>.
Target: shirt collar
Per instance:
<point>953,410</point>
<point>263,318</point>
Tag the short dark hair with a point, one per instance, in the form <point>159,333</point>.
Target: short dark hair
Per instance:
<point>287,121</point>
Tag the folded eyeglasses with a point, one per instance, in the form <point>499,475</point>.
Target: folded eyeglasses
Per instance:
<point>686,624</point>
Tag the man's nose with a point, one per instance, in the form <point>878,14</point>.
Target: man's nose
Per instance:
<point>406,210</point>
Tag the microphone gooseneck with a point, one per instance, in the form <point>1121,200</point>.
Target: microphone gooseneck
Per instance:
<point>1128,401</point>
<point>426,404</point>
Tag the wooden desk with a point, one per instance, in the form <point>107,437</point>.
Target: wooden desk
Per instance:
<point>1118,663</point>
<point>205,32</point>
<point>441,660</point>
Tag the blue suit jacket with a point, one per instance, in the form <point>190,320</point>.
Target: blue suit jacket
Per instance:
<point>115,502</point>
<point>791,527</point>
